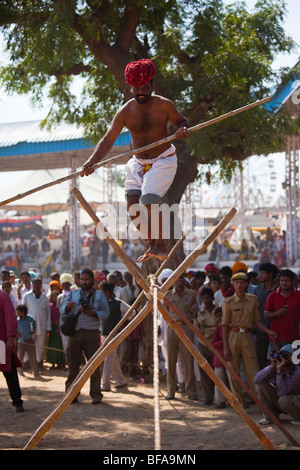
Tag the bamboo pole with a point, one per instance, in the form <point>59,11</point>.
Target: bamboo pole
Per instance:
<point>264,440</point>
<point>82,378</point>
<point>263,408</point>
<point>130,153</point>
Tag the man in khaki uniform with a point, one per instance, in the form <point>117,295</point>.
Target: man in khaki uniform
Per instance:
<point>186,302</point>
<point>239,314</point>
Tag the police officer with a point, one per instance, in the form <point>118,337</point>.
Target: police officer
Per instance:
<point>239,314</point>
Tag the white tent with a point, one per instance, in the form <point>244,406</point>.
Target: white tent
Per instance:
<point>56,220</point>
<point>91,188</point>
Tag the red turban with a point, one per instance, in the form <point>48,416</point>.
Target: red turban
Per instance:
<point>211,267</point>
<point>99,276</point>
<point>139,73</point>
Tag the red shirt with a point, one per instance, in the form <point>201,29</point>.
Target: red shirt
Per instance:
<point>286,326</point>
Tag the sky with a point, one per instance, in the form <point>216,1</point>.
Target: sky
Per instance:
<point>17,108</point>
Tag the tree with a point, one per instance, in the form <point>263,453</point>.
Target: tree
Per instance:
<point>210,59</point>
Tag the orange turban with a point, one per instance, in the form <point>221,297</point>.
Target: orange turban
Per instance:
<point>139,73</point>
<point>239,266</point>
<point>55,285</point>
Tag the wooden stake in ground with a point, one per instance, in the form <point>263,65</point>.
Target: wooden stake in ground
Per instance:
<point>136,151</point>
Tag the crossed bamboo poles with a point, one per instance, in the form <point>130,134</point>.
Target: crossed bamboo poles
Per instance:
<point>154,294</point>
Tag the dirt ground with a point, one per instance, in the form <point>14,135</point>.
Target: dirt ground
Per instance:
<point>125,420</point>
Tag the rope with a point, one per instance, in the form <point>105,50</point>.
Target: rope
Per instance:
<point>157,434</point>
<point>43,347</point>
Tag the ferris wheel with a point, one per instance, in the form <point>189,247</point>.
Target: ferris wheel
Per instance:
<point>262,181</point>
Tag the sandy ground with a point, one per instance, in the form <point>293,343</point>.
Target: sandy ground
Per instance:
<point>125,420</point>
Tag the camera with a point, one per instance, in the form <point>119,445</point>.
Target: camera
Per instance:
<point>275,355</point>
<point>278,356</point>
<point>85,304</point>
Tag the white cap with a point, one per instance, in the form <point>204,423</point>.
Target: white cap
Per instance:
<point>165,274</point>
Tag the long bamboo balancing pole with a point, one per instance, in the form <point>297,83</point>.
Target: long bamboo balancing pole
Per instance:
<point>265,441</point>
<point>263,408</point>
<point>130,153</point>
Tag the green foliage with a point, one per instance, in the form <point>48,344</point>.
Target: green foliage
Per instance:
<point>210,59</point>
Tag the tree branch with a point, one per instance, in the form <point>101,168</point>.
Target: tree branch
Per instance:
<point>100,12</point>
<point>128,28</point>
<point>76,69</point>
<point>98,47</point>
<point>16,17</point>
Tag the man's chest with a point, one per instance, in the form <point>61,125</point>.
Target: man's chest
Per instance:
<point>240,311</point>
<point>140,122</point>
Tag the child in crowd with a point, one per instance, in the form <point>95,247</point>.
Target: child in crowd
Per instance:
<point>55,356</point>
<point>26,330</point>
<point>7,287</point>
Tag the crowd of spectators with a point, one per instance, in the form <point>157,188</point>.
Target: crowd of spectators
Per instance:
<point>246,316</point>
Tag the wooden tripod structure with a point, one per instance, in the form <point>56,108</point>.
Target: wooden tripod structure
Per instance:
<point>154,295</point>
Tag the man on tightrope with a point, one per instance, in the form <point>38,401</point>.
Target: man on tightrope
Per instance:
<point>150,173</point>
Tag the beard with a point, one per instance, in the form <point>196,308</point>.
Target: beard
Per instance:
<point>86,287</point>
<point>142,99</point>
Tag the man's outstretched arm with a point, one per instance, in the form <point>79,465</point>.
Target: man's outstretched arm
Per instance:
<point>104,145</point>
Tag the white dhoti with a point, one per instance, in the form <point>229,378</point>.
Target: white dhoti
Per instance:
<point>151,179</point>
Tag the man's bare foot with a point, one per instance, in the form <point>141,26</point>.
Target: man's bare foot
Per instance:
<point>153,252</point>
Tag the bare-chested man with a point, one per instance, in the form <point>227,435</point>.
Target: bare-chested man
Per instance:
<point>149,174</point>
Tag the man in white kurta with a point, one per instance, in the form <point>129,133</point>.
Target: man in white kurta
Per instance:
<point>39,308</point>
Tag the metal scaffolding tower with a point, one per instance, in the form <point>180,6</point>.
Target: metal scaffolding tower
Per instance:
<point>239,199</point>
<point>74,221</point>
<point>109,190</point>
<point>292,199</point>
